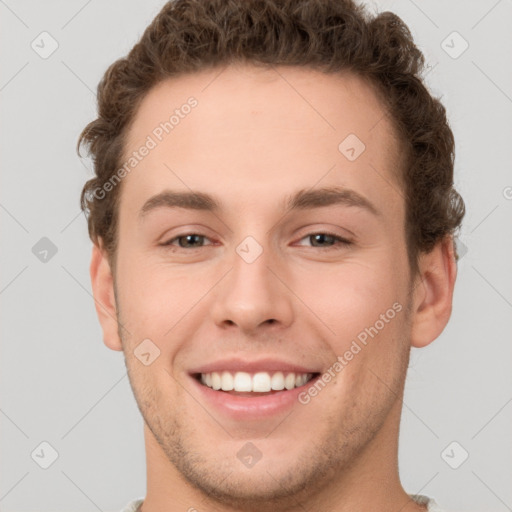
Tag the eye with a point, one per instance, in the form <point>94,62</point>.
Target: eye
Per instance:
<point>187,241</point>
<point>318,240</point>
<point>326,240</point>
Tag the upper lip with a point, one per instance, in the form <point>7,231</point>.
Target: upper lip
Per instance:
<point>244,365</point>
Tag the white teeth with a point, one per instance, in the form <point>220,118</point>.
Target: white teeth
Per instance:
<point>259,382</point>
<point>242,382</point>
<point>216,381</point>
<point>289,381</point>
<point>227,381</point>
<point>277,382</point>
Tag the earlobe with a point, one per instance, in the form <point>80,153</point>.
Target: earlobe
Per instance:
<point>104,299</point>
<point>433,293</point>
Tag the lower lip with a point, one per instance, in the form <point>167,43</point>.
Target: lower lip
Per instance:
<point>251,408</point>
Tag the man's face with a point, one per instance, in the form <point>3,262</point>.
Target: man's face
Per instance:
<point>261,288</point>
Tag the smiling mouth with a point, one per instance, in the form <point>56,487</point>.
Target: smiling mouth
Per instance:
<point>249,385</point>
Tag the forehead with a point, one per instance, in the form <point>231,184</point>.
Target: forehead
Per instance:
<point>276,129</point>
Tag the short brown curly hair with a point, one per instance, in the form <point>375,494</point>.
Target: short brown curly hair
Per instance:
<point>326,35</point>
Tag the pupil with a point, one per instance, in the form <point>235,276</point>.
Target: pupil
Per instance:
<point>321,237</point>
<point>189,238</point>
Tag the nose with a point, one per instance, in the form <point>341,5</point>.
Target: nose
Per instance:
<point>253,295</point>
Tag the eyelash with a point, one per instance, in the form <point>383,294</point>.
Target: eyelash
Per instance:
<point>342,242</point>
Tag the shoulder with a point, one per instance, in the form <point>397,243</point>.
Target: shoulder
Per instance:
<point>133,505</point>
<point>431,504</point>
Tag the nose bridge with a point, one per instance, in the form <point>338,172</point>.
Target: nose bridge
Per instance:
<point>251,294</point>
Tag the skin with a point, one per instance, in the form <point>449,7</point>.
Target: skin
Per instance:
<point>255,138</point>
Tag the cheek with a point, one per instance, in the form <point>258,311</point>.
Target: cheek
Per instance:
<point>364,307</point>
<point>156,300</point>
<point>352,297</point>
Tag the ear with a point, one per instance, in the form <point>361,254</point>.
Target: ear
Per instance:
<point>433,293</point>
<point>104,298</point>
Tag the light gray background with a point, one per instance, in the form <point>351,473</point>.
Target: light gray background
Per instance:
<point>61,385</point>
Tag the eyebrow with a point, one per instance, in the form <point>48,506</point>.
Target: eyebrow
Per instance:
<point>301,200</point>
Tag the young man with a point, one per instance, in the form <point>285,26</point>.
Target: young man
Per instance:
<point>273,216</point>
